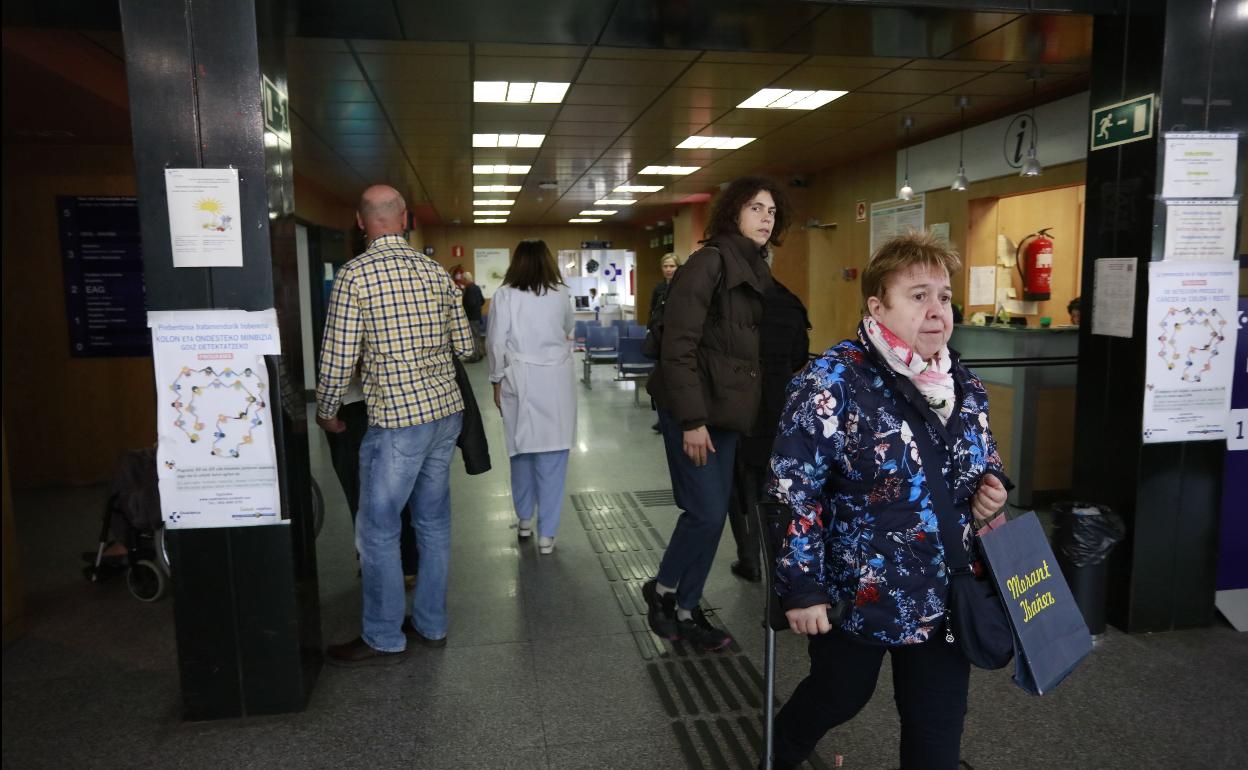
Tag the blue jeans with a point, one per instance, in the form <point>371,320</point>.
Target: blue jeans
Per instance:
<point>702,496</point>
<point>400,467</point>
<point>537,483</point>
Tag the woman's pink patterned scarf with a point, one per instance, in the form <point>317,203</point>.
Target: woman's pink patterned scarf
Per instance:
<point>932,378</point>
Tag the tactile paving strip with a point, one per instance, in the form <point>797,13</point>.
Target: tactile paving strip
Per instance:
<point>714,699</point>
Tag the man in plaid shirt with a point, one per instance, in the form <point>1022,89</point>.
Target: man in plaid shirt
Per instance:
<point>398,314</point>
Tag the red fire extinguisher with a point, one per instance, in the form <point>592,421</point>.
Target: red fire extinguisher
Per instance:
<point>1036,266</point>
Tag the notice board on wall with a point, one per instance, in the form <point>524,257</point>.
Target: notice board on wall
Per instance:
<point>103,264</point>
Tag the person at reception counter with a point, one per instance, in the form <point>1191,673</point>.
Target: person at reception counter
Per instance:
<point>862,533</point>
<point>1075,308</point>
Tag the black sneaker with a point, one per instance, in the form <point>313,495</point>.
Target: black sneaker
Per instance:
<point>699,632</point>
<point>661,610</point>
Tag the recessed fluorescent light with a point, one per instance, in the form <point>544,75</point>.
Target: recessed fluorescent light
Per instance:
<point>599,212</point>
<point>494,202</point>
<point>581,220</point>
<point>496,188</point>
<point>492,213</point>
<point>669,170</point>
<point>518,93</point>
<point>500,169</point>
<point>614,202</point>
<point>786,99</point>
<point>489,221</point>
<point>507,140</point>
<point>715,142</point>
<point>638,188</point>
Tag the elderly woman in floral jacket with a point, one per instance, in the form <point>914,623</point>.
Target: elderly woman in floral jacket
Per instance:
<point>863,532</point>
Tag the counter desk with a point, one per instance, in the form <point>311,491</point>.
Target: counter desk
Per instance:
<point>1030,376</point>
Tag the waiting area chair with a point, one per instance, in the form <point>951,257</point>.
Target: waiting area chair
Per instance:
<point>632,365</point>
<point>601,347</point>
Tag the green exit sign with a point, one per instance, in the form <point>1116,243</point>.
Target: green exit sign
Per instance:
<point>1122,123</point>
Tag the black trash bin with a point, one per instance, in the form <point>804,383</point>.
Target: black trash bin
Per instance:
<point>1085,534</point>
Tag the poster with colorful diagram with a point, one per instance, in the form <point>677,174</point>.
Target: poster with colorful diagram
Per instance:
<point>204,225</point>
<point>216,459</point>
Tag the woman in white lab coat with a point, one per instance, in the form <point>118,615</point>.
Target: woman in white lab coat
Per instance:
<point>530,358</point>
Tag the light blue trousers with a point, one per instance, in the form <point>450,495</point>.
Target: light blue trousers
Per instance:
<point>537,488</point>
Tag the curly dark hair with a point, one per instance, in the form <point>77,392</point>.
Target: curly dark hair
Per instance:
<point>532,268</point>
<point>728,205</point>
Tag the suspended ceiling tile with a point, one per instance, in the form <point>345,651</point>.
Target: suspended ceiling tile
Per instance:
<point>431,92</point>
<point>711,98</point>
<point>556,143</point>
<point>410,47</point>
<point>1001,84</point>
<point>537,50</point>
<point>964,65</point>
<point>310,91</point>
<point>416,69</point>
<point>723,75</point>
<point>333,127</point>
<point>767,120</point>
<point>347,141</point>
<point>752,57</point>
<point>322,65</point>
<point>643,54</point>
<point>344,111</point>
<point>630,72</point>
<point>860,102</point>
<point>612,95</point>
<point>913,81</point>
<point>529,113</point>
<point>809,77</point>
<point>569,128</point>
<point>598,113</point>
<point>1077,66</point>
<point>512,126</point>
<point>869,62</point>
<point>525,69</point>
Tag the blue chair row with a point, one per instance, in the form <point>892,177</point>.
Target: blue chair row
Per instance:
<point>632,365</point>
<point>601,347</point>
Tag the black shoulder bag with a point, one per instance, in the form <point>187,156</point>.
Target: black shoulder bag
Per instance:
<point>975,615</point>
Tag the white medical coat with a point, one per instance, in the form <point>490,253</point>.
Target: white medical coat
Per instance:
<point>530,354</point>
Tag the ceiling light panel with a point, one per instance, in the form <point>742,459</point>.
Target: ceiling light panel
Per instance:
<point>599,212</point>
<point>503,188</point>
<point>614,202</point>
<point>519,92</point>
<point>669,170</point>
<point>584,220</point>
<point>494,202</point>
<point>715,142</point>
<point>787,99</point>
<point>492,213</point>
<point>489,221</point>
<point>500,169</point>
<point>508,140</point>
<point>638,188</point>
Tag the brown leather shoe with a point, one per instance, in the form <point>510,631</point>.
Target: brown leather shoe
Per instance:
<point>357,653</point>
<point>416,636</point>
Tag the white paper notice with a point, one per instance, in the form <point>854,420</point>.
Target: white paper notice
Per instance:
<point>1200,165</point>
<point>491,265</point>
<point>216,461</point>
<point>1199,230</point>
<point>895,217</point>
<point>204,217</point>
<point>1191,351</point>
<point>940,230</point>
<point>983,285</point>
<point>1113,296</point>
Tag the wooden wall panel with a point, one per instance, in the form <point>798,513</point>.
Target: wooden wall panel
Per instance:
<point>316,205</point>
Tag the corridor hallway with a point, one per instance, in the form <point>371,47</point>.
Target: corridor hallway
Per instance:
<point>549,663</point>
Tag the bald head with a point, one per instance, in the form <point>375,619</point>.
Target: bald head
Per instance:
<point>382,211</point>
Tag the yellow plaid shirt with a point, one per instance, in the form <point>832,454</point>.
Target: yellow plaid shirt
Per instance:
<point>401,313</point>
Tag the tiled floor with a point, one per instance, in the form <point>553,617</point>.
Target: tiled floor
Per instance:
<point>545,668</point>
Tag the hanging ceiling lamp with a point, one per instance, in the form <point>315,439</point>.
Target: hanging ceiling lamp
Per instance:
<point>1032,167</point>
<point>959,180</point>
<point>907,192</point>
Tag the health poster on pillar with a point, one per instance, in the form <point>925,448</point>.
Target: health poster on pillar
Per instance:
<point>1191,351</point>
<point>204,223</point>
<point>216,459</point>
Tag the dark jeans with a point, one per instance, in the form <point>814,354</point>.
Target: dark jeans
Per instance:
<point>747,489</point>
<point>702,496</point>
<point>344,453</point>
<point>929,685</point>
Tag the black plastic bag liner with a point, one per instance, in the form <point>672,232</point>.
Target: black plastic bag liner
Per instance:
<point>1086,532</point>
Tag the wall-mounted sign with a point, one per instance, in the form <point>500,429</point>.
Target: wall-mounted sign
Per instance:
<point>1201,230</point>
<point>595,244</point>
<point>490,265</point>
<point>457,252</point>
<point>276,109</point>
<point>1122,123</point>
<point>1200,165</point>
<point>860,211</point>
<point>895,217</point>
<point>103,262</point>
<point>1020,134</point>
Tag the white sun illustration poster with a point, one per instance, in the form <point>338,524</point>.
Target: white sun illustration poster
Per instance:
<point>204,225</point>
<point>216,459</point>
<point>1191,350</point>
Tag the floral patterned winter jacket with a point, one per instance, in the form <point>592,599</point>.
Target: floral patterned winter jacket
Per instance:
<point>863,530</point>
